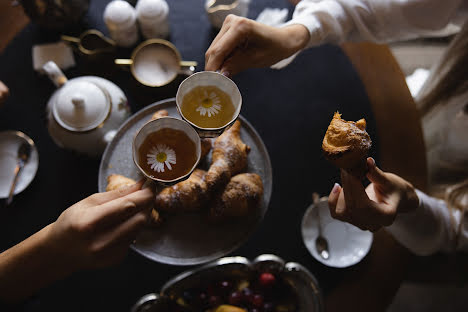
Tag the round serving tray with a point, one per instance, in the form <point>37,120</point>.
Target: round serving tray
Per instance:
<point>186,239</point>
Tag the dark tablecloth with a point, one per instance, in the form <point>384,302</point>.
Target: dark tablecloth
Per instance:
<point>290,108</point>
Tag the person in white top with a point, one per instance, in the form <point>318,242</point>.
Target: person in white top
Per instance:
<point>422,223</point>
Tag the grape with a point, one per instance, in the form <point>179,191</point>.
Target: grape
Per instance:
<point>257,301</point>
<point>215,301</point>
<point>235,298</point>
<point>247,295</point>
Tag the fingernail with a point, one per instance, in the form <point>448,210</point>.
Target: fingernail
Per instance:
<point>370,163</point>
<point>226,73</point>
<point>336,188</point>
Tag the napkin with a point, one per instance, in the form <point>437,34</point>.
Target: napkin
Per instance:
<point>276,18</point>
<point>58,52</point>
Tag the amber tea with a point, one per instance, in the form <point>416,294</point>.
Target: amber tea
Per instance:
<point>167,154</point>
<point>207,107</point>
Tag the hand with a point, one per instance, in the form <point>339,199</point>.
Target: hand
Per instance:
<point>4,92</point>
<point>97,231</point>
<point>377,205</point>
<point>243,43</point>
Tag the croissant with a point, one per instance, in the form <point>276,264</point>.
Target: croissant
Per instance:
<point>116,181</point>
<point>160,114</point>
<point>240,198</point>
<point>229,158</point>
<point>346,144</point>
<point>188,195</point>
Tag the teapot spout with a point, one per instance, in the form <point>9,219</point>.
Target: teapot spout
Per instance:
<point>55,74</point>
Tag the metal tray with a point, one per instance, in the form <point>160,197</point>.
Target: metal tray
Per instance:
<point>186,239</point>
<point>304,284</point>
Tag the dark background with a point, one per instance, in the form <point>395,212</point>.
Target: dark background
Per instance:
<point>290,108</point>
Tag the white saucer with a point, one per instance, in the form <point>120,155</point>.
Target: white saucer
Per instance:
<point>9,144</point>
<point>347,244</point>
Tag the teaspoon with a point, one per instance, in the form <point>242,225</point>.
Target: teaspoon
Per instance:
<point>24,151</point>
<point>321,244</point>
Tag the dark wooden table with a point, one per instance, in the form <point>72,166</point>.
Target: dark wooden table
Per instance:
<point>290,109</point>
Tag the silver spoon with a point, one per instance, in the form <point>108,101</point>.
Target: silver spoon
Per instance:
<point>321,244</point>
<point>24,151</point>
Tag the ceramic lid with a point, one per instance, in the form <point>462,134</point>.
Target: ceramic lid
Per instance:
<point>152,8</point>
<point>81,106</point>
<point>119,13</point>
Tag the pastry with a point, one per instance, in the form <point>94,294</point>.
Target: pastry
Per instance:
<point>229,158</point>
<point>116,181</point>
<point>188,195</point>
<point>240,198</point>
<point>206,145</point>
<point>346,144</point>
<point>160,114</point>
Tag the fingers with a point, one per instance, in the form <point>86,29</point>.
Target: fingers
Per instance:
<point>101,198</point>
<point>226,44</point>
<point>4,92</point>
<point>354,192</point>
<point>374,174</point>
<point>336,211</point>
<point>120,209</point>
<point>222,31</point>
<point>114,244</point>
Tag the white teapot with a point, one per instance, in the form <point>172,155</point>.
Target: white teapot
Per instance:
<point>217,10</point>
<point>85,112</point>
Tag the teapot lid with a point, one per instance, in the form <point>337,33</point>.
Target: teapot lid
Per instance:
<point>81,106</point>
<point>152,8</point>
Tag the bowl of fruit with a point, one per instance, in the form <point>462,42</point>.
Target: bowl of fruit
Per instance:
<point>236,284</point>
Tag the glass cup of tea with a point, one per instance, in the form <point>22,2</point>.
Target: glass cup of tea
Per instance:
<point>209,101</point>
<point>156,63</point>
<point>166,150</point>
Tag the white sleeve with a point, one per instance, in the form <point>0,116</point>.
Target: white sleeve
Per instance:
<point>428,229</point>
<point>336,21</point>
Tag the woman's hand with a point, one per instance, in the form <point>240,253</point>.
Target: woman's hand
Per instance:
<point>243,43</point>
<point>4,92</point>
<point>375,206</point>
<point>97,231</point>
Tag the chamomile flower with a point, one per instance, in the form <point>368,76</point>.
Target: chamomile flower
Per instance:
<point>209,104</point>
<point>159,156</point>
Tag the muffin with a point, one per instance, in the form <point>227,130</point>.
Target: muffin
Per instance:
<point>346,144</point>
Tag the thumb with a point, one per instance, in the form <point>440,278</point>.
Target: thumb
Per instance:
<point>374,174</point>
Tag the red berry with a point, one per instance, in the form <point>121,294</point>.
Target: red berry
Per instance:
<point>267,279</point>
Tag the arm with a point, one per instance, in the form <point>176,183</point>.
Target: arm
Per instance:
<point>93,233</point>
<point>420,223</point>
<point>427,229</point>
<point>336,21</point>
<point>242,43</point>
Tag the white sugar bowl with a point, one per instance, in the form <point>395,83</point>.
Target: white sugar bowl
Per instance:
<point>85,112</point>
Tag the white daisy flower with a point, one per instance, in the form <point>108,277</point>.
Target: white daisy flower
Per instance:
<point>159,156</point>
<point>209,104</point>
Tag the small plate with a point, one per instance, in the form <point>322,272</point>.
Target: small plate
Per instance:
<point>9,144</point>
<point>347,244</point>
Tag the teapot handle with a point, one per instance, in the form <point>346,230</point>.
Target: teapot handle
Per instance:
<point>54,73</point>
